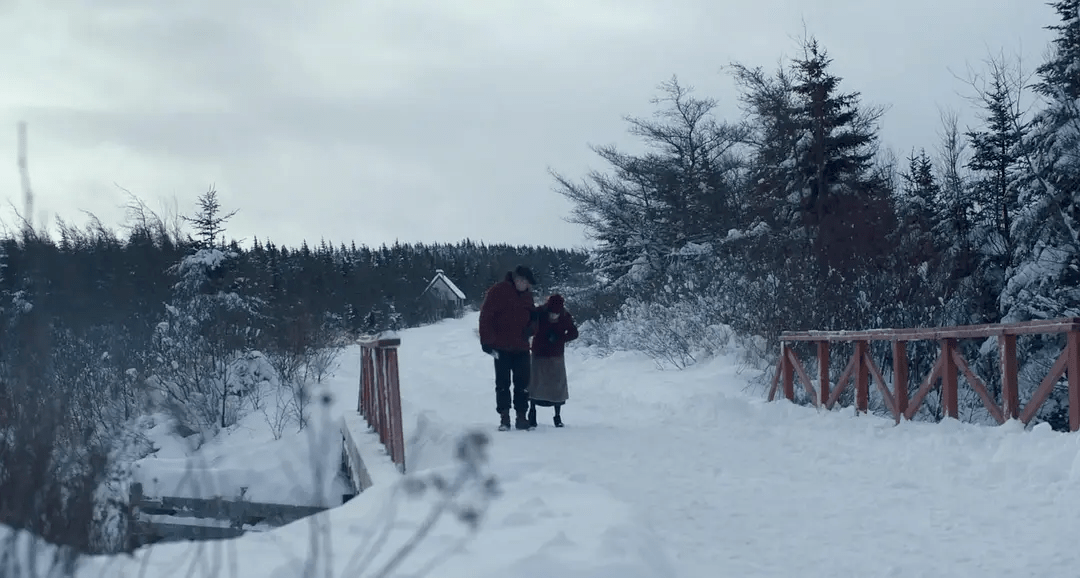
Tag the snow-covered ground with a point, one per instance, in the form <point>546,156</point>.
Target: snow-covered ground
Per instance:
<point>657,474</point>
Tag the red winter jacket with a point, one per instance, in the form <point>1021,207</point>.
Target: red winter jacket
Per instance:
<point>552,336</point>
<point>505,317</point>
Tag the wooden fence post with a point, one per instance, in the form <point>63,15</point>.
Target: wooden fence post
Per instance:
<point>862,377</point>
<point>900,377</point>
<point>380,396</point>
<point>1073,369</point>
<point>135,495</point>
<point>949,378</point>
<point>397,452</point>
<point>1010,377</point>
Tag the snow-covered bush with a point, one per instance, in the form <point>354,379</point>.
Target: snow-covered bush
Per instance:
<point>208,329</point>
<point>683,320</point>
<point>677,334</point>
<point>302,349</point>
<point>52,455</point>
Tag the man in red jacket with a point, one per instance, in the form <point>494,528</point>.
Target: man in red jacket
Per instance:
<point>507,320</point>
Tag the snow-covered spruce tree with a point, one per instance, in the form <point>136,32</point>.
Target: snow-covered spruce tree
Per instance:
<point>981,169</point>
<point>815,240</point>
<point>1044,279</point>
<point>209,222</point>
<point>996,157</point>
<point>955,225</point>
<point>651,205</point>
<point>208,328</point>
<point>843,199</point>
<point>915,202</point>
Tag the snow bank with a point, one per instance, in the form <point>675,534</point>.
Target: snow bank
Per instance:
<point>245,461</point>
<point>542,525</point>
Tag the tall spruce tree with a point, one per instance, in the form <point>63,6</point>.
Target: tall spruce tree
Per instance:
<point>844,200</point>
<point>209,222</point>
<point>995,158</point>
<point>915,208</point>
<point>819,214</point>
<point>681,191</point>
<point>1045,280</point>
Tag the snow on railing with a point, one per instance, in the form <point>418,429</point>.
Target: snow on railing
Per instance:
<point>380,394</point>
<point>946,369</point>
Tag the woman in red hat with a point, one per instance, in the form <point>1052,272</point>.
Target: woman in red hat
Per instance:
<point>547,383</point>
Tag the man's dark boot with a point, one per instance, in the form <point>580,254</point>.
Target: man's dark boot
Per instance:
<point>522,421</point>
<point>504,421</point>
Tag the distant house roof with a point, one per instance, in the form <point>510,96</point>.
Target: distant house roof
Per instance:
<point>442,280</point>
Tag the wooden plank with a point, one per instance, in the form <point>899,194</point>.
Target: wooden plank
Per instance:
<point>397,434</point>
<point>880,381</point>
<point>388,343</point>
<point>1044,326</point>
<point>1045,387</point>
<point>924,389</point>
<point>776,377</point>
<point>841,383</point>
<point>165,531</point>
<point>1010,377</point>
<point>862,377</point>
<point>801,371</point>
<point>1072,367</point>
<point>360,477</point>
<point>788,373</point>
<point>274,514</point>
<point>950,393</point>
<point>900,377</point>
<point>979,387</point>
<point>983,330</point>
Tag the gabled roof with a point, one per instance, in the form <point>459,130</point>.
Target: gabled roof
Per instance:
<point>439,276</point>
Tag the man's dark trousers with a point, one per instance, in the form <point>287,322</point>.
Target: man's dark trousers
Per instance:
<point>512,366</point>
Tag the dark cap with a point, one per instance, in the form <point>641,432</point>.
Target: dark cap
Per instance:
<point>525,272</point>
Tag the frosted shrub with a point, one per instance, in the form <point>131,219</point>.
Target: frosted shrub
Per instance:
<point>676,334</point>
<point>202,347</point>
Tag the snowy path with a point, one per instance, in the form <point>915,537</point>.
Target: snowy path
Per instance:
<point>732,486</point>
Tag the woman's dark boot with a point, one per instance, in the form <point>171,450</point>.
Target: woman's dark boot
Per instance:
<point>558,417</point>
<point>532,414</point>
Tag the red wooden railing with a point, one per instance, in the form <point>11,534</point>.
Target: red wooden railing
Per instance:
<point>380,395</point>
<point>950,363</point>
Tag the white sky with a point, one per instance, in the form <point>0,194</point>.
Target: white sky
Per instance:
<point>424,121</point>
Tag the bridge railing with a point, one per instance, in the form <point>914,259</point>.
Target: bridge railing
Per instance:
<point>380,395</point>
<point>950,363</point>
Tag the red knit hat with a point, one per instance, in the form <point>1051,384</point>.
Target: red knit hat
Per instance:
<point>555,303</point>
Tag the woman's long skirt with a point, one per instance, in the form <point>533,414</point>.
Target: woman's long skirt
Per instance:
<point>547,381</point>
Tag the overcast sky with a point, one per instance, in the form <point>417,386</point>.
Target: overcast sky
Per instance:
<point>376,120</point>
